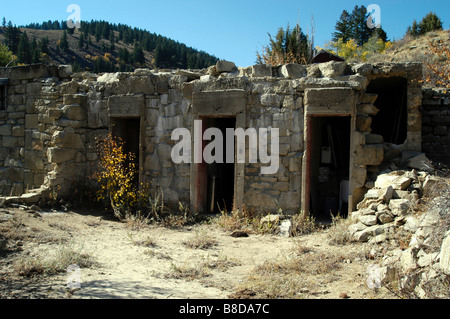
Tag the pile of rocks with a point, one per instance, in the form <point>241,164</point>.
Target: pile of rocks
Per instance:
<point>388,204</point>
<point>422,270</point>
<point>421,267</point>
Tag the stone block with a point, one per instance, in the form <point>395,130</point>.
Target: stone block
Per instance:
<point>271,100</point>
<point>293,71</point>
<point>67,140</point>
<point>372,155</point>
<point>5,130</point>
<point>28,72</point>
<point>445,255</point>
<point>368,109</point>
<point>18,131</point>
<point>399,207</point>
<point>363,123</point>
<point>362,68</point>
<point>225,66</point>
<point>329,101</point>
<point>58,155</point>
<point>397,182</point>
<point>374,139</point>
<point>31,121</point>
<point>218,103</point>
<point>33,161</point>
<point>368,98</point>
<point>368,220</point>
<point>34,89</point>
<point>332,69</point>
<point>261,70</point>
<point>123,105</point>
<point>74,112</point>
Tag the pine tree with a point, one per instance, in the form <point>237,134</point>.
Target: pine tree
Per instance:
<point>64,44</point>
<point>24,50</point>
<point>81,42</point>
<point>431,22</point>
<point>12,37</point>
<point>43,45</point>
<point>354,26</point>
<point>138,54</point>
<point>112,45</point>
<point>413,30</point>
<point>360,31</point>
<point>343,27</point>
<point>4,22</point>
<point>35,52</point>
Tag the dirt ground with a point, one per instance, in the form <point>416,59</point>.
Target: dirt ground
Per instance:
<point>160,263</point>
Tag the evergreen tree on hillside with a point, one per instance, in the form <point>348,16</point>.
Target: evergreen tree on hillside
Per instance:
<point>35,52</point>
<point>43,45</point>
<point>12,37</point>
<point>413,30</point>
<point>343,27</point>
<point>64,43</point>
<point>24,50</point>
<point>4,22</point>
<point>431,22</point>
<point>138,54</point>
<point>354,26</point>
<point>81,42</point>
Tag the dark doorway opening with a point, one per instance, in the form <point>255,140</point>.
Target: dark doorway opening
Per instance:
<point>128,131</point>
<point>215,182</point>
<point>329,167</point>
<point>392,120</point>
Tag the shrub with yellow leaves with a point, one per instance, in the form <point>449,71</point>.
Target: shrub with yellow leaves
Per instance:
<point>117,176</point>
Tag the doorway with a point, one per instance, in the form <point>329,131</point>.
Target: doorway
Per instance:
<point>215,182</point>
<point>329,166</point>
<point>128,131</point>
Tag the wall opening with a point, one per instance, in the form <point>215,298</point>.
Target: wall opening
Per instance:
<point>128,130</point>
<point>392,120</point>
<point>329,166</point>
<point>3,94</point>
<point>215,183</point>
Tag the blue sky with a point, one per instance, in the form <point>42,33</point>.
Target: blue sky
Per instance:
<point>233,30</point>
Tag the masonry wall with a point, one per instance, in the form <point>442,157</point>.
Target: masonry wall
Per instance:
<point>436,125</point>
<point>53,122</point>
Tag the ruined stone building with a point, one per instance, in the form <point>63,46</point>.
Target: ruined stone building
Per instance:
<point>339,126</point>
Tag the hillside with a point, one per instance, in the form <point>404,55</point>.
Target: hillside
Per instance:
<point>417,49</point>
<point>104,47</point>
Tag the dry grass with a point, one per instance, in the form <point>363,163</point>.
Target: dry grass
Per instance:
<point>338,233</point>
<point>200,240</point>
<point>200,267</point>
<point>291,277</point>
<point>51,264</point>
<point>188,271</point>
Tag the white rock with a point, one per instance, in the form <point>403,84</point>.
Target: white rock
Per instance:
<point>445,255</point>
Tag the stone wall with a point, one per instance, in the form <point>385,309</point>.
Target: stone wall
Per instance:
<point>53,121</point>
<point>22,160</point>
<point>436,125</point>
